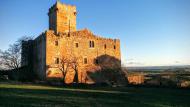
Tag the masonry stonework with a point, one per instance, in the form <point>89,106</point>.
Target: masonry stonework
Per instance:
<point>63,40</point>
<point>62,18</point>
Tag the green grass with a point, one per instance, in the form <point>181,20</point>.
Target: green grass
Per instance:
<point>12,95</point>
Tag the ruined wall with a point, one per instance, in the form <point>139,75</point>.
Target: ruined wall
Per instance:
<point>62,18</point>
<point>136,79</point>
<point>39,56</point>
<point>27,53</point>
<point>67,47</point>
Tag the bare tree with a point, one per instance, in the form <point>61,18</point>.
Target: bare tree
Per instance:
<point>11,58</point>
<point>64,67</point>
<point>75,65</point>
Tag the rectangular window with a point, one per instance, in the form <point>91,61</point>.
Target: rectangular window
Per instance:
<point>114,47</point>
<point>85,61</point>
<point>105,46</point>
<point>77,45</point>
<point>96,61</point>
<point>56,43</point>
<point>56,60</point>
<point>91,44</point>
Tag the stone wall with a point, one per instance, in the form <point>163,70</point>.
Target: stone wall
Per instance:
<point>62,18</point>
<point>27,53</point>
<point>67,48</point>
<point>39,56</point>
<point>136,79</point>
<point>63,40</point>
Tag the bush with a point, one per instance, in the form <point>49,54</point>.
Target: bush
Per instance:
<point>23,74</point>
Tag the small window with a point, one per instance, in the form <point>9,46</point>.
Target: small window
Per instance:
<point>75,13</point>
<point>114,47</point>
<point>105,46</point>
<point>57,61</point>
<point>77,45</point>
<point>91,44</point>
<point>56,43</point>
<point>85,61</point>
<point>96,61</point>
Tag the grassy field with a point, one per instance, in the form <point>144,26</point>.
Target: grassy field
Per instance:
<point>45,96</point>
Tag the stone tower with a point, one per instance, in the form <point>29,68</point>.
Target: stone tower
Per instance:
<point>62,18</point>
<point>87,52</point>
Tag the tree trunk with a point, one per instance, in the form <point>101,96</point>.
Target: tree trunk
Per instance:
<point>76,77</point>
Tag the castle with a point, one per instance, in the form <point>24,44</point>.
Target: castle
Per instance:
<point>45,53</point>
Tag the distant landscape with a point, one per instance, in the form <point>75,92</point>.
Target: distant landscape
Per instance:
<point>163,76</point>
<point>159,68</point>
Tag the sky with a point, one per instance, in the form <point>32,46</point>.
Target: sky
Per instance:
<point>151,32</point>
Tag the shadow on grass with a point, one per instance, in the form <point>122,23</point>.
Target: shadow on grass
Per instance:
<point>36,97</point>
<point>59,97</point>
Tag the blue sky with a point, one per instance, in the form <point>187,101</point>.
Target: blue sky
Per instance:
<point>152,32</point>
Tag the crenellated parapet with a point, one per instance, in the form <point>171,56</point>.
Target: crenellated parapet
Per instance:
<point>85,33</point>
<point>61,7</point>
